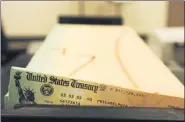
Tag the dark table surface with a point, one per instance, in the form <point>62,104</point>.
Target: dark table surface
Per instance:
<point>45,112</point>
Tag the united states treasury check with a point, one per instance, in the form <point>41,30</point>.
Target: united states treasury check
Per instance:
<point>27,87</point>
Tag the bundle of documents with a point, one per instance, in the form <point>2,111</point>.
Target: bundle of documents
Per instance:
<point>95,66</point>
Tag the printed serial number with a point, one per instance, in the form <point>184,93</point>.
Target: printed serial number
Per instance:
<point>129,92</point>
<point>72,96</point>
<point>69,102</point>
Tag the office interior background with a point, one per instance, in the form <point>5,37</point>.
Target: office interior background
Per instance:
<point>25,25</point>
<point>36,18</point>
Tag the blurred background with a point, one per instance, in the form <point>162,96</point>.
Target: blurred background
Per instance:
<point>25,24</point>
<point>36,18</point>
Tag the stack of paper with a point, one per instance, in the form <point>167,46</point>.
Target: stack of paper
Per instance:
<point>97,65</point>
